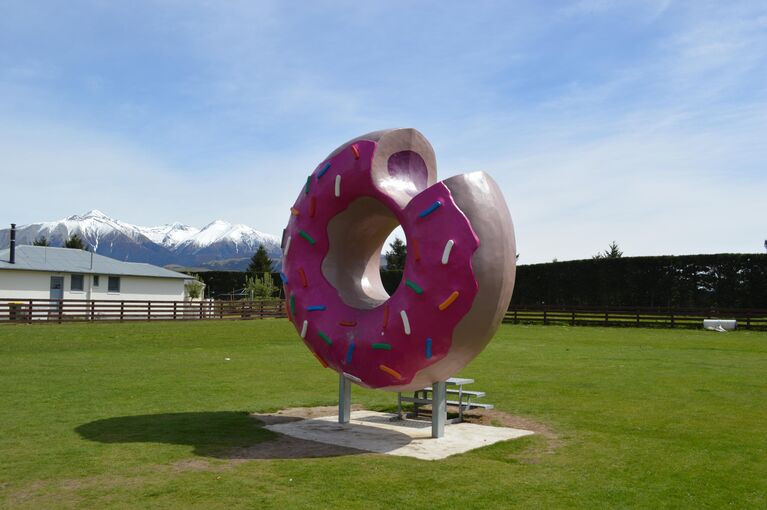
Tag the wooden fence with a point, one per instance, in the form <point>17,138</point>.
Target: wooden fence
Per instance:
<point>41,311</point>
<point>633,316</point>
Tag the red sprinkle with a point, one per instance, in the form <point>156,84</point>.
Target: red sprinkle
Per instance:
<point>303,276</point>
<point>416,249</point>
<point>348,324</point>
<point>312,207</point>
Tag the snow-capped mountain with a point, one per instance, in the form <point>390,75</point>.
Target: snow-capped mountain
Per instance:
<point>219,245</point>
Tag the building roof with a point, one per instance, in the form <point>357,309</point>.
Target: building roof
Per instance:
<point>70,260</point>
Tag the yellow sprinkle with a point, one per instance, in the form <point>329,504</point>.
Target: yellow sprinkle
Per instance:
<point>449,300</point>
<point>390,371</point>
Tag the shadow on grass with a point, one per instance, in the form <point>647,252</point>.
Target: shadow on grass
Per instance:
<point>216,434</point>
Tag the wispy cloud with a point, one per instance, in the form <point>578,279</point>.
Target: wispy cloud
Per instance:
<point>601,120</point>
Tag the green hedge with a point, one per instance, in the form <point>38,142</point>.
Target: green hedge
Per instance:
<point>724,280</point>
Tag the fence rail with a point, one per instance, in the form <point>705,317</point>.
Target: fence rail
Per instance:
<point>41,311</point>
<point>633,316</point>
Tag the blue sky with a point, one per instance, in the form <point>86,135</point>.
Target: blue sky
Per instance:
<point>639,122</point>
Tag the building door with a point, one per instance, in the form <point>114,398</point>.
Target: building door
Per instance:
<point>57,287</point>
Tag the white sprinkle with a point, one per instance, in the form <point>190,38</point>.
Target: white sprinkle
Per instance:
<point>338,185</point>
<point>446,253</point>
<point>287,247</point>
<point>303,330</point>
<point>405,322</point>
<point>350,376</point>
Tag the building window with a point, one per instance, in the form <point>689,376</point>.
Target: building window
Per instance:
<point>114,284</point>
<point>76,283</point>
<point>95,280</point>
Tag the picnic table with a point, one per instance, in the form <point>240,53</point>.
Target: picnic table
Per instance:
<point>466,399</point>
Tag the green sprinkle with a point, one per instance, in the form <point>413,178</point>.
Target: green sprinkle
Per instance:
<point>325,337</point>
<point>306,236</point>
<point>414,286</point>
<point>306,188</point>
<point>385,347</point>
<point>293,304</point>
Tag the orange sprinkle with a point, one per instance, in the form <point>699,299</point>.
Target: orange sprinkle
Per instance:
<point>303,276</point>
<point>356,151</point>
<point>386,315</point>
<point>416,249</point>
<point>449,300</point>
<point>348,324</point>
<point>322,361</point>
<point>294,211</point>
<point>312,207</point>
<point>390,371</point>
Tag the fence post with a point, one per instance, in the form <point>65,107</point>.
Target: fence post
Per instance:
<point>122,311</point>
<point>607,317</point>
<point>672,319</point>
<point>29,315</point>
<point>545,318</point>
<point>261,309</point>
<point>201,312</point>
<point>61,309</point>
<point>175,304</point>
<point>149,310</point>
<point>637,317</point>
<point>748,321</point>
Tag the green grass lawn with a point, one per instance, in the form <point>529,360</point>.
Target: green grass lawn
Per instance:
<point>148,415</point>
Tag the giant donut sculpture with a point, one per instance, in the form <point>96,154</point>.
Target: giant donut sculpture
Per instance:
<point>458,276</point>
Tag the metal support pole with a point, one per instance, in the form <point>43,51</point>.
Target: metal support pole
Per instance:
<point>438,408</point>
<point>344,399</point>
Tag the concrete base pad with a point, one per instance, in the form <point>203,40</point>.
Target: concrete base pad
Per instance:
<point>384,433</point>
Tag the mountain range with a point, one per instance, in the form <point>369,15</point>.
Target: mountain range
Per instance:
<point>217,246</point>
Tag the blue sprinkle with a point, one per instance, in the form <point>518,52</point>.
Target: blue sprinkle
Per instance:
<point>315,308</point>
<point>428,348</point>
<point>284,278</point>
<point>324,169</point>
<point>349,353</point>
<point>433,207</point>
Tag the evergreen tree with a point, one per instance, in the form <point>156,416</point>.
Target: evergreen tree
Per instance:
<point>260,263</point>
<point>395,257</point>
<point>75,242</point>
<point>613,252</point>
<point>41,241</point>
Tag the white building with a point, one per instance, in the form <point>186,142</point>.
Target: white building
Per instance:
<point>41,272</point>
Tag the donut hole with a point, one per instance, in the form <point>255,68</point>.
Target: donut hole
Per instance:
<point>352,265</point>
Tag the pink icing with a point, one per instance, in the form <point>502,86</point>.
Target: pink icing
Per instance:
<point>408,353</point>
